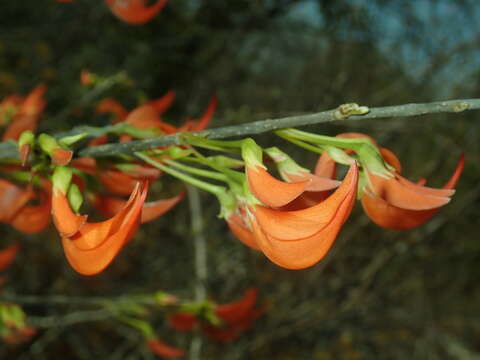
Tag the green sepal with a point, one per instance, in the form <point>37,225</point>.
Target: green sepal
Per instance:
<point>26,138</point>
<point>61,178</point>
<point>285,163</point>
<point>252,154</point>
<point>72,139</point>
<point>47,143</point>
<point>75,197</point>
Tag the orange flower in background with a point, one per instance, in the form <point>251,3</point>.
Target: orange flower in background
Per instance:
<point>112,106</point>
<point>300,238</point>
<point>26,114</point>
<point>135,12</point>
<point>108,206</point>
<point>32,219</point>
<point>8,254</point>
<point>123,182</point>
<point>204,121</point>
<point>15,211</point>
<point>382,201</point>
<point>236,317</point>
<point>158,347</point>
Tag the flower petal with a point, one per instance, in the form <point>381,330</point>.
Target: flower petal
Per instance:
<point>392,217</point>
<point>297,224</point>
<point>270,191</point>
<point>91,262</point>
<point>305,252</point>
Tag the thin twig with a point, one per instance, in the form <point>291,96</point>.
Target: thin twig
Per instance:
<point>8,150</point>
<point>262,126</point>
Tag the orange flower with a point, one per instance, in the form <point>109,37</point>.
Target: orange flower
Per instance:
<point>163,350</point>
<point>396,202</point>
<point>8,254</point>
<point>400,204</point>
<point>91,247</point>
<point>135,12</point>
<point>237,317</point>
<point>112,106</point>
<point>109,206</point>
<point>121,183</point>
<point>29,219</point>
<point>204,121</point>
<point>300,238</point>
<point>32,219</point>
<point>27,114</point>
<point>269,190</point>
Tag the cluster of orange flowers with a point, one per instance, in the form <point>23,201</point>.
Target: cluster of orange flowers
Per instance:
<point>133,12</point>
<point>295,222</point>
<point>89,247</point>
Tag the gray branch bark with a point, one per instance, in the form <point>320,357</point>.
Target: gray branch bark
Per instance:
<point>9,150</point>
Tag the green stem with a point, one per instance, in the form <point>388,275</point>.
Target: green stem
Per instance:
<point>200,172</point>
<point>302,144</point>
<point>213,189</point>
<point>353,144</point>
<point>219,145</point>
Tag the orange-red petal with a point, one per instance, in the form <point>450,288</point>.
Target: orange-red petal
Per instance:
<point>241,231</point>
<point>386,215</point>
<point>95,260</point>
<point>8,254</point>
<point>163,350</point>
<point>32,219</point>
<point>296,224</point>
<point>135,12</point>
<point>270,191</point>
<point>65,220</point>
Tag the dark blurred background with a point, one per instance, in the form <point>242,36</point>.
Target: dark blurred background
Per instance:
<point>380,294</point>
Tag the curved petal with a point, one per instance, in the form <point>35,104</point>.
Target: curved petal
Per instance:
<point>317,183</point>
<point>8,254</point>
<point>391,159</point>
<point>163,103</point>
<point>235,311</point>
<point>65,220</point>
<point>91,262</point>
<point>109,105</point>
<point>117,182</point>
<point>392,217</point>
<point>109,206</point>
<point>163,350</point>
<point>326,167</point>
<point>410,197</point>
<point>12,199</point>
<point>308,251</point>
<point>292,225</point>
<point>19,125</point>
<point>203,122</point>
<point>270,191</point>
<point>92,235</point>
<point>135,12</point>
<point>32,219</point>
<point>241,232</point>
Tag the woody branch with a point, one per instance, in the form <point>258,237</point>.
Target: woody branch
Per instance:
<point>9,150</point>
